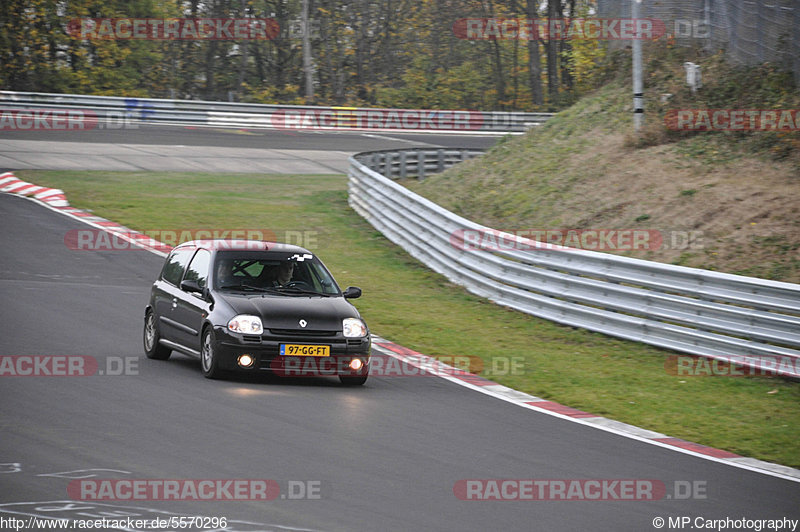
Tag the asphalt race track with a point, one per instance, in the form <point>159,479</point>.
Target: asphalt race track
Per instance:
<point>205,149</point>
<point>253,138</point>
<point>385,456</point>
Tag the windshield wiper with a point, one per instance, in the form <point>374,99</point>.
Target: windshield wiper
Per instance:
<point>246,287</point>
<point>299,291</point>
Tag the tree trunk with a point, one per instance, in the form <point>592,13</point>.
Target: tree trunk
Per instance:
<point>534,58</point>
<point>243,51</point>
<point>566,76</point>
<point>552,52</point>
<point>307,65</point>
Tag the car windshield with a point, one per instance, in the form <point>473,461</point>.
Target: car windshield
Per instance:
<point>273,272</point>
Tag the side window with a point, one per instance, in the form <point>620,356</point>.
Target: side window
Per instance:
<point>198,268</point>
<point>176,263</point>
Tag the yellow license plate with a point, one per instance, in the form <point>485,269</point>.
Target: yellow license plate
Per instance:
<point>297,350</point>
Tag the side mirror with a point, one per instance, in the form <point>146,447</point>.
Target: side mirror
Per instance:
<point>191,285</point>
<point>352,292</point>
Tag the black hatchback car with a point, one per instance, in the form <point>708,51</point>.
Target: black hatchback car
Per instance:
<point>250,305</point>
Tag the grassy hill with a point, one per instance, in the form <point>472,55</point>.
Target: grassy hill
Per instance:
<point>737,194</point>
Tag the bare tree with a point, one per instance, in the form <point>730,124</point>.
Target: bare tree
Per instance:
<point>553,9</point>
<point>308,67</point>
<point>534,57</point>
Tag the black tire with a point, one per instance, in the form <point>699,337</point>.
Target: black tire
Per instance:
<point>150,337</point>
<point>353,380</point>
<point>209,361</point>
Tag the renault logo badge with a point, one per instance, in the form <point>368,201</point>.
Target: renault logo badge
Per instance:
<point>303,323</point>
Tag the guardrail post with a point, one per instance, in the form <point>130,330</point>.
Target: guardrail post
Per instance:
<point>421,165</point>
<point>402,165</point>
<point>390,164</point>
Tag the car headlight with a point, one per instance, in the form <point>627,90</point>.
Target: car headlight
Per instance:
<point>354,328</point>
<point>246,324</point>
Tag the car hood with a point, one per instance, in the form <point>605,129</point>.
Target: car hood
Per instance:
<point>286,312</point>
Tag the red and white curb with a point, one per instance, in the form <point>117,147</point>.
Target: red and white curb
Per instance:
<point>480,384</point>
<point>50,196</point>
<point>55,200</point>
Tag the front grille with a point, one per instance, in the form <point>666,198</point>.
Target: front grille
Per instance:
<point>302,333</point>
<point>251,338</point>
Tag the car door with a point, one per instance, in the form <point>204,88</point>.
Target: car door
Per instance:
<point>191,308</point>
<point>166,290</point>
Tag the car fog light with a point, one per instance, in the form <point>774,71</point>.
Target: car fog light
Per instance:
<point>356,364</point>
<point>246,361</point>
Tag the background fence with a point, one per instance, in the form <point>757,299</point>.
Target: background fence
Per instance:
<point>747,321</point>
<point>294,117</point>
<point>750,31</point>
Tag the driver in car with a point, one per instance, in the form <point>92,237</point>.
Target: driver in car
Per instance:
<point>278,275</point>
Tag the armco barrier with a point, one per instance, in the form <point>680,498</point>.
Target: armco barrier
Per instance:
<point>416,162</point>
<point>292,117</point>
<point>742,320</point>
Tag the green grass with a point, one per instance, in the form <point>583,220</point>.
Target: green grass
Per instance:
<point>413,306</point>
<point>580,170</point>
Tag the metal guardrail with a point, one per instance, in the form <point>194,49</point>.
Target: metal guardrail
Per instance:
<point>416,162</point>
<point>742,320</point>
<point>294,117</point>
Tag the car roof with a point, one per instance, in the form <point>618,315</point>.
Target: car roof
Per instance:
<point>221,244</point>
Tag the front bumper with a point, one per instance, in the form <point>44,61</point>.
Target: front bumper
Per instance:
<point>265,350</point>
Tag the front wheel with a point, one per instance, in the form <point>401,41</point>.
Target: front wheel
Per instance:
<point>151,336</point>
<point>208,356</point>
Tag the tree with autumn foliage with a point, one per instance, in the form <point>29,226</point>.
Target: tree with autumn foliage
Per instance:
<point>387,53</point>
